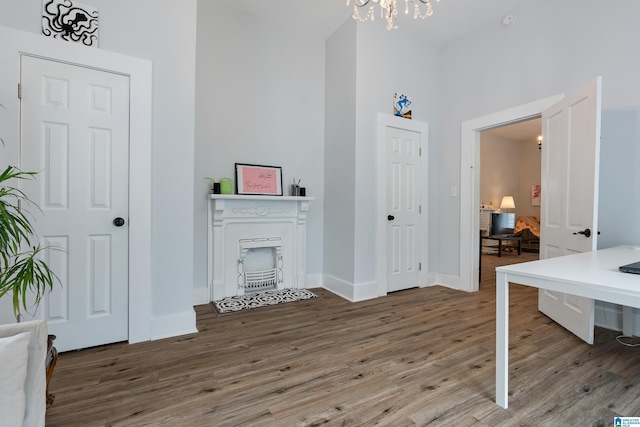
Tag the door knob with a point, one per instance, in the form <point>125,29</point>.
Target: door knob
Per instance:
<point>586,232</point>
<point>118,222</point>
<point>391,217</point>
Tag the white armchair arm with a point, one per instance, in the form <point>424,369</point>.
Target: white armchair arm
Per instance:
<point>35,383</point>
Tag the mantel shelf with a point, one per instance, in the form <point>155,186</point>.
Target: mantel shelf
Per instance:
<point>256,197</point>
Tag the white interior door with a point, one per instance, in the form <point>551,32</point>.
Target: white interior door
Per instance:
<point>569,217</point>
<point>403,208</point>
<point>75,132</point>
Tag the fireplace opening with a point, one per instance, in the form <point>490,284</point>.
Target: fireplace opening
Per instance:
<point>260,264</point>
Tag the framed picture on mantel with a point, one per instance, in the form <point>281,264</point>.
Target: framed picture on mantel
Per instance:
<point>258,180</point>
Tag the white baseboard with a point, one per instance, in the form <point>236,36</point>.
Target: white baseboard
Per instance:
<point>173,326</point>
<point>338,287</point>
<point>432,280</point>
<point>365,291</point>
<point>446,280</point>
<point>353,292</point>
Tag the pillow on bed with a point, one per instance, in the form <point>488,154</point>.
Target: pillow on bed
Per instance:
<point>13,372</point>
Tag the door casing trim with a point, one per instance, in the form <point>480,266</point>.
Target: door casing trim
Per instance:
<point>13,44</point>
<point>470,181</point>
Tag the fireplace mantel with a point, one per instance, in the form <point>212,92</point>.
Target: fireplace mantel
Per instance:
<point>233,218</point>
<point>255,197</point>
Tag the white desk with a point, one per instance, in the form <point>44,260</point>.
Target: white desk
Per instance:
<point>591,274</point>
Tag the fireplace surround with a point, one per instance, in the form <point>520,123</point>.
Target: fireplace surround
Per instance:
<point>240,224</point>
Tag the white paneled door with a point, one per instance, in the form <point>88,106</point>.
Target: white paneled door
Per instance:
<point>569,217</point>
<point>403,209</point>
<point>75,133</point>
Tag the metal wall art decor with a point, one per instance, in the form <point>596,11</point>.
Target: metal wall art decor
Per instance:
<point>71,21</point>
<point>401,106</point>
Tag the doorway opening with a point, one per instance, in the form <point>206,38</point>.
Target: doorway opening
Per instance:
<point>510,171</point>
<point>470,181</point>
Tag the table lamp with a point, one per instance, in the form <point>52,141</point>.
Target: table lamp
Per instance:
<point>507,203</point>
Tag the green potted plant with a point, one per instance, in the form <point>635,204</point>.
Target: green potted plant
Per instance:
<point>22,271</point>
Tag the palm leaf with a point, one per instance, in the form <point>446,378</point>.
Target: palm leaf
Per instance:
<point>21,272</point>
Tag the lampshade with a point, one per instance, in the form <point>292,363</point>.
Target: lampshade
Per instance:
<point>507,203</point>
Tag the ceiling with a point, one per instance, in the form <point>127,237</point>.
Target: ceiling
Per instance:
<point>451,18</point>
<point>521,131</point>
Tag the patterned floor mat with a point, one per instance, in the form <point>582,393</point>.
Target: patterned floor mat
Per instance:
<point>260,299</point>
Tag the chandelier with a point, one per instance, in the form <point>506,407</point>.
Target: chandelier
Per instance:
<point>389,10</point>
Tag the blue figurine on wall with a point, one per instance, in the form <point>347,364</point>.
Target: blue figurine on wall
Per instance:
<point>401,106</point>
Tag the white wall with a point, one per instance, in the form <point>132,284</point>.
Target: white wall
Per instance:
<point>530,174</point>
<point>509,168</point>
<point>260,100</point>
<point>619,205</point>
<point>499,169</point>
<point>251,73</point>
<point>553,47</point>
<point>387,62</point>
<point>340,156</point>
<point>368,64</point>
<point>162,31</point>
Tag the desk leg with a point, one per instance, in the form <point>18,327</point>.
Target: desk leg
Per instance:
<point>502,340</point>
<point>499,247</point>
<point>627,321</point>
<point>519,247</point>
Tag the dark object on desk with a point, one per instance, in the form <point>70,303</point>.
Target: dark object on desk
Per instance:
<point>502,223</point>
<point>633,268</point>
<point>501,229</point>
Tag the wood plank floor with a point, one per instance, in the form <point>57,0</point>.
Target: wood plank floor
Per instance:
<point>421,357</point>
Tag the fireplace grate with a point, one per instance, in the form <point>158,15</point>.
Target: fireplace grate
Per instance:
<point>264,259</point>
<point>261,279</point>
